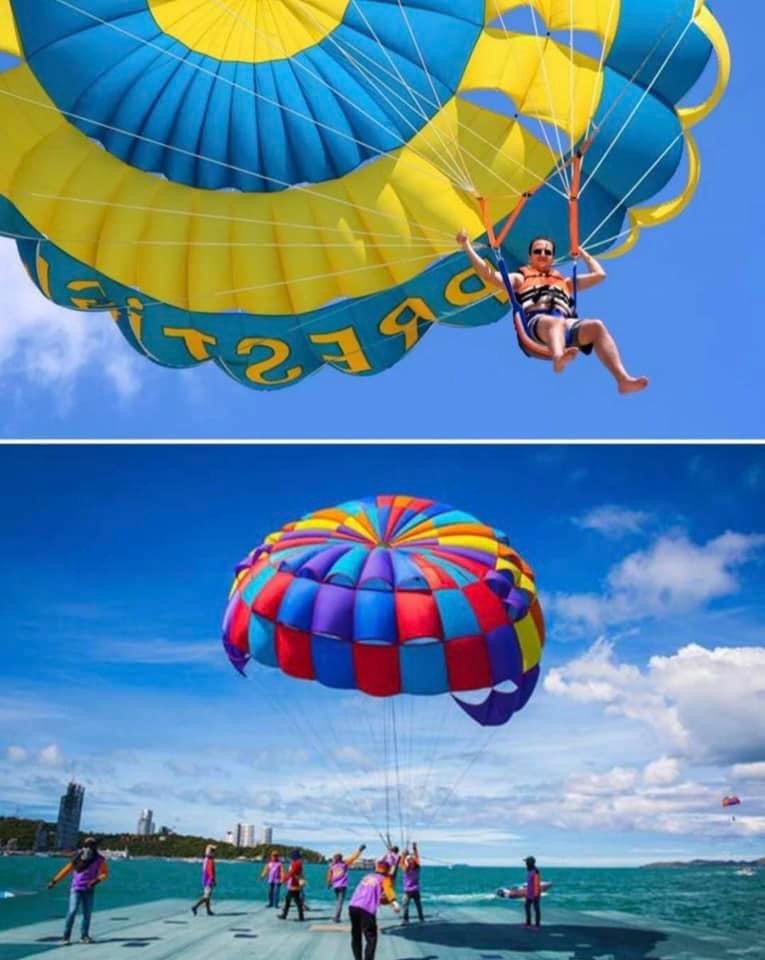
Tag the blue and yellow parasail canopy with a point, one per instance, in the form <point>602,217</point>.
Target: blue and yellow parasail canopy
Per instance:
<point>276,185</point>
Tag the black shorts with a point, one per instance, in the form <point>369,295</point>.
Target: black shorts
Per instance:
<point>572,331</point>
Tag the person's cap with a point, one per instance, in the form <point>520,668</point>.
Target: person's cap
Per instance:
<point>295,854</point>
<point>89,842</point>
<point>529,861</point>
<point>382,866</point>
<point>210,848</point>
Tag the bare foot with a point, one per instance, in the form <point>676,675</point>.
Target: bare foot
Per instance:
<point>560,364</point>
<point>633,384</point>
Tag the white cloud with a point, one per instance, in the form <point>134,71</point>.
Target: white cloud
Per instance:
<point>158,652</point>
<point>612,521</point>
<point>706,704</point>
<point>749,771</point>
<point>51,756</point>
<point>671,577</point>
<point>16,754</point>
<point>47,345</point>
<point>661,772</point>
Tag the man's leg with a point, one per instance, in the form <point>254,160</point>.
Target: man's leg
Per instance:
<point>278,894</point>
<point>369,924</point>
<point>339,899</point>
<point>552,331</point>
<point>416,896</point>
<point>300,904</point>
<point>74,901</point>
<point>537,918</point>
<point>527,908</point>
<point>406,908</point>
<point>355,913</point>
<point>86,899</point>
<point>596,333</point>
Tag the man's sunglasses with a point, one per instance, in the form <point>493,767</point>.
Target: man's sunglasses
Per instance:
<point>540,251</point>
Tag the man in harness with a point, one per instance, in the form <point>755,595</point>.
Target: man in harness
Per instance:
<point>546,297</point>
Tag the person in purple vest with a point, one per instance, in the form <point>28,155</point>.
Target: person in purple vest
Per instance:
<point>533,891</point>
<point>410,863</point>
<point>373,889</point>
<point>337,878</point>
<point>208,880</point>
<point>88,869</point>
<point>272,872</point>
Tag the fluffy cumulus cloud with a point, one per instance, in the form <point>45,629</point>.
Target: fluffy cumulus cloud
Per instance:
<point>654,799</point>
<point>672,576</point>
<point>704,704</point>
<point>44,344</point>
<point>748,771</point>
<point>51,756</point>
<point>16,754</point>
<point>612,521</point>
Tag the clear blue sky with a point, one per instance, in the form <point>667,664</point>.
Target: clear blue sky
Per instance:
<point>682,304</point>
<point>649,561</point>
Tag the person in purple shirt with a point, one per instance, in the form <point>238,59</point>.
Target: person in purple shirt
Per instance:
<point>208,880</point>
<point>337,878</point>
<point>373,889</point>
<point>410,864</point>
<point>88,868</point>
<point>272,872</point>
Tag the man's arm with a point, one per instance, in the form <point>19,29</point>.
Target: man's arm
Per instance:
<point>484,270</point>
<point>66,869</point>
<point>597,273</point>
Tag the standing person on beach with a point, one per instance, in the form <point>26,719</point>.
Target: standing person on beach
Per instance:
<point>294,880</point>
<point>208,880</point>
<point>337,878</point>
<point>272,871</point>
<point>533,891</point>
<point>88,869</point>
<point>374,889</point>
<point>410,863</point>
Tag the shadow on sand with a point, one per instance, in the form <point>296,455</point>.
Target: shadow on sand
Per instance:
<point>577,942</point>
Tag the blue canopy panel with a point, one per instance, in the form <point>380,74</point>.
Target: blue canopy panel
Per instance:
<point>259,126</point>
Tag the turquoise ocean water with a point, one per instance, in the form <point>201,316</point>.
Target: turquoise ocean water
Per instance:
<point>714,897</point>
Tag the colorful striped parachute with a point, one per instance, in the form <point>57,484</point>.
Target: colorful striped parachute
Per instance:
<point>391,595</point>
<point>277,186</point>
<point>731,801</point>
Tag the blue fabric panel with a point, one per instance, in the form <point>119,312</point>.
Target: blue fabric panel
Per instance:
<point>333,662</point>
<point>457,615</point>
<point>374,616</point>
<point>423,668</point>
<point>296,608</point>
<point>644,24</point>
<point>262,646</point>
<point>348,568</point>
<point>256,127</point>
<point>407,575</point>
<point>253,588</point>
<point>504,655</point>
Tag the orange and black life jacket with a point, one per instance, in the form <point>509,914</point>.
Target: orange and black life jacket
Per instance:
<point>544,292</point>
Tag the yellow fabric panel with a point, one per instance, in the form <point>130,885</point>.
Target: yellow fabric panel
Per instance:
<point>528,638</point>
<point>174,243</point>
<point>600,17</point>
<point>537,75</point>
<point>689,116</point>
<point>9,41</point>
<point>248,31</point>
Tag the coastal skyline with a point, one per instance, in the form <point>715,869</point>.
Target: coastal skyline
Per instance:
<point>648,560</point>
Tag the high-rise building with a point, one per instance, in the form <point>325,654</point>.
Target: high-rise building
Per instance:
<point>69,813</point>
<point>41,837</point>
<point>145,824</point>
<point>268,834</point>
<point>244,835</point>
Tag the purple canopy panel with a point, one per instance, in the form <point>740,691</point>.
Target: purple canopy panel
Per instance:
<point>237,658</point>
<point>319,565</point>
<point>333,612</point>
<point>377,568</point>
<point>495,710</point>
